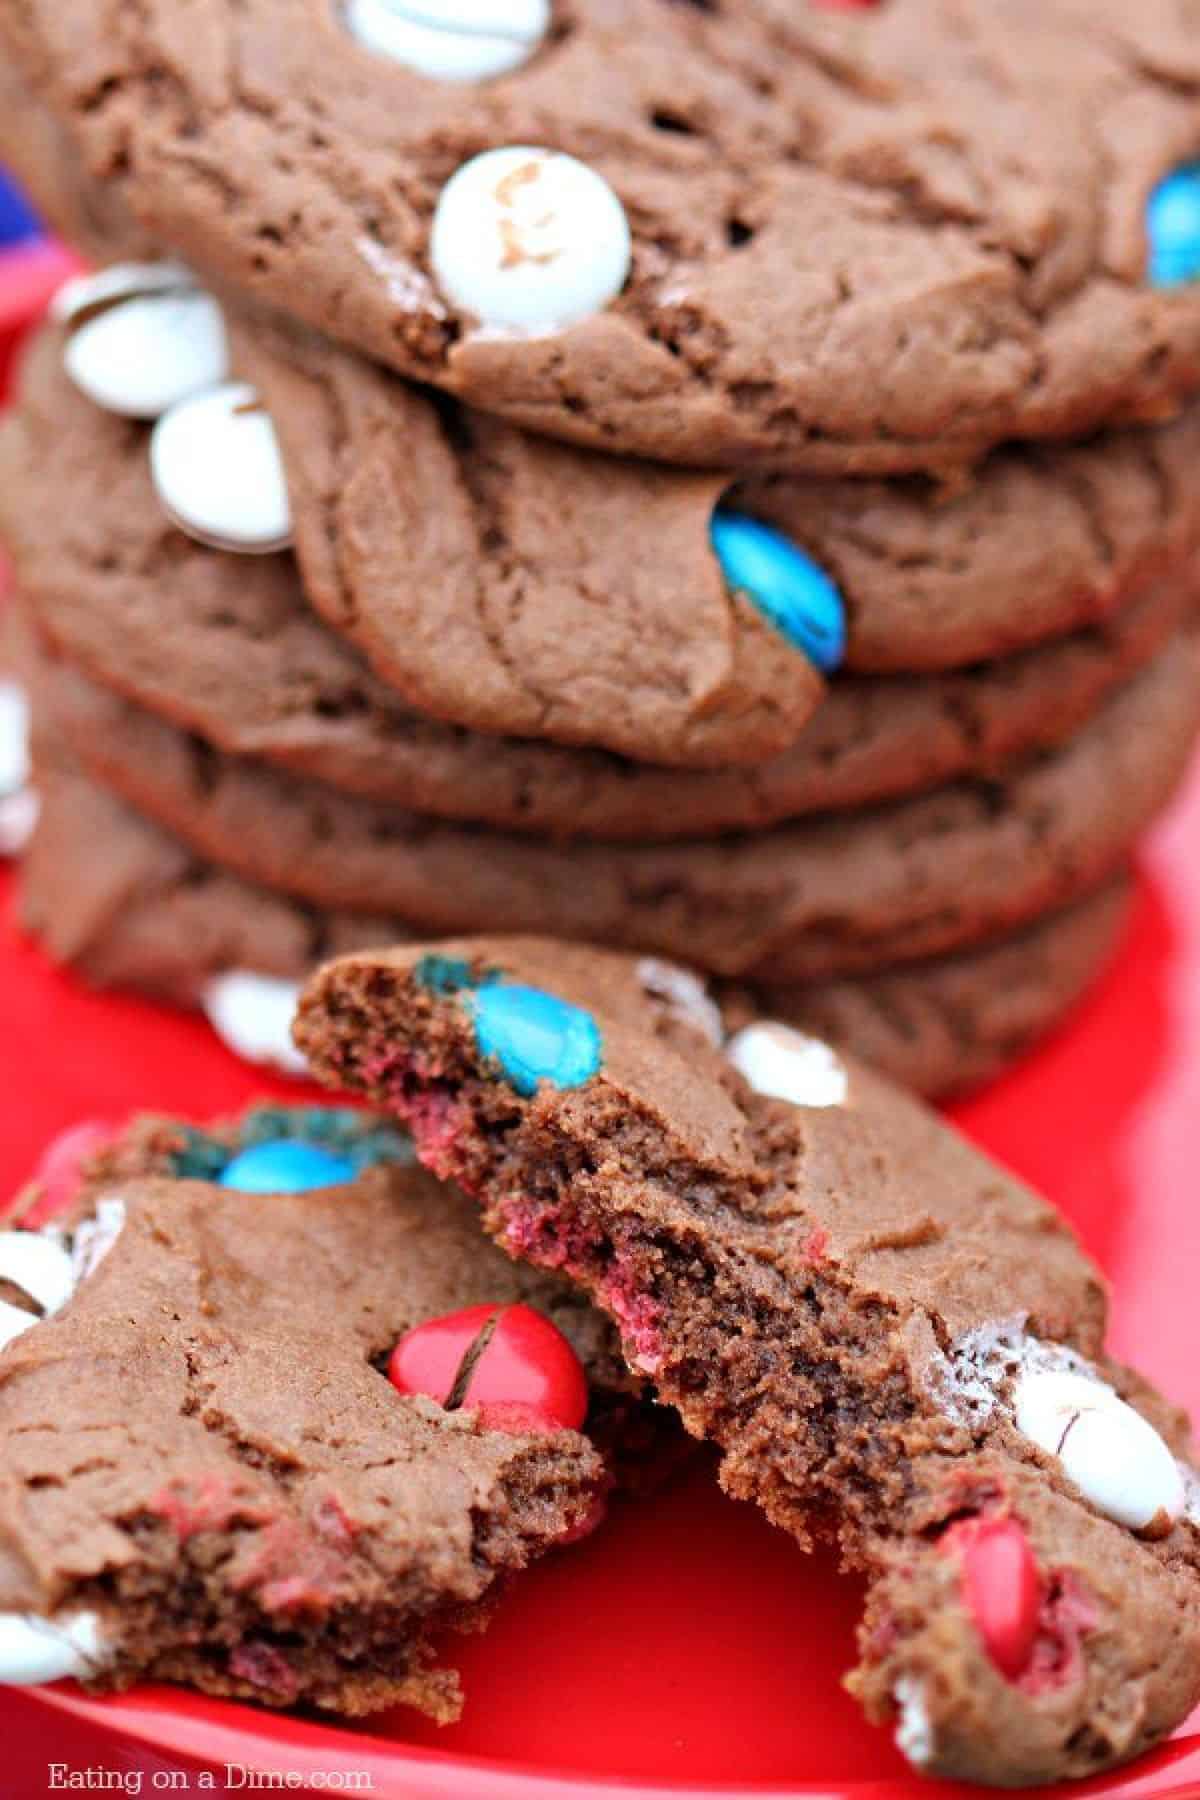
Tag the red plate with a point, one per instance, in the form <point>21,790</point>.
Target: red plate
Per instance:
<point>687,1648</point>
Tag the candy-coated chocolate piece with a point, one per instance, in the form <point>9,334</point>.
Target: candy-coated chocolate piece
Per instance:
<point>1001,1587</point>
<point>285,1166</point>
<point>529,240</point>
<point>59,1171</point>
<point>252,1014</point>
<point>140,356</point>
<point>451,40</point>
<point>39,1266</point>
<point>34,1650</point>
<point>96,291</point>
<point>429,1358</point>
<point>218,472</point>
<point>535,1036</point>
<point>510,1365</point>
<point>778,1060</point>
<point>787,586</point>
<point>1116,1459</point>
<point>1173,228</point>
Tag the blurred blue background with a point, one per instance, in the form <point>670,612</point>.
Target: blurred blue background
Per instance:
<point>17,221</point>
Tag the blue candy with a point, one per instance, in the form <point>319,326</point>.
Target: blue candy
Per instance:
<point>535,1037</point>
<point>285,1166</point>
<point>1173,224</point>
<point>788,587</point>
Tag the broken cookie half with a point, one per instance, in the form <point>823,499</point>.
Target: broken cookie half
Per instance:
<point>892,1341</point>
<point>206,1474</point>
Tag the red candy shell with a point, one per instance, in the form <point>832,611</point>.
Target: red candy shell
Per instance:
<point>58,1174</point>
<point>526,1378</point>
<point>1001,1587</point>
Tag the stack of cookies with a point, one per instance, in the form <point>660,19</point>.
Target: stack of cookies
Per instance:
<point>716,483</point>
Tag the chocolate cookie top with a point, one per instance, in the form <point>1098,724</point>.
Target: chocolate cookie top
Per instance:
<point>830,895</point>
<point>227,646</point>
<point>883,1331</point>
<point>229,1491</point>
<point>880,237</point>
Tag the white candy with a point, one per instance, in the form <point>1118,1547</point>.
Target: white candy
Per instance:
<point>18,817</point>
<point>684,996</point>
<point>95,1237</point>
<point>253,1015</point>
<point>143,355</point>
<point>39,1266</point>
<point>529,240</point>
<point>14,737</point>
<point>216,465</point>
<point>451,40</point>
<point>1115,1458</point>
<point>34,1650</point>
<point>914,1731</point>
<point>14,1322</point>
<point>121,281</point>
<point>788,1065</point>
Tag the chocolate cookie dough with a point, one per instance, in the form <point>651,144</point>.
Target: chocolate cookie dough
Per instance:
<point>942,229</point>
<point>128,906</point>
<point>208,1477</point>
<point>830,896</point>
<point>887,1336</point>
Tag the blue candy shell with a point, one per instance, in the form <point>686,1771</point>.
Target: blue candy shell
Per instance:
<point>535,1036</point>
<point>788,587</point>
<point>1173,228</point>
<point>285,1166</point>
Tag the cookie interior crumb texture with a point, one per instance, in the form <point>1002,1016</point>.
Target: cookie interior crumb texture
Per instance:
<point>815,1289</point>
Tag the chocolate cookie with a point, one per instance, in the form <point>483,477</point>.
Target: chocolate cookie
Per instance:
<point>128,906</point>
<point>887,1336</point>
<point>226,646</point>
<point>880,237</point>
<point>207,1475</point>
<point>564,596</point>
<point>830,896</point>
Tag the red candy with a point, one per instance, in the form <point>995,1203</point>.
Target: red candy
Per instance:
<point>58,1174</point>
<point>525,1377</point>
<point>1001,1586</point>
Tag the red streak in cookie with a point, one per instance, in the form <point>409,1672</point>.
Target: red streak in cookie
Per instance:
<point>207,1503</point>
<point>1002,1588</point>
<point>1066,1615</point>
<point>510,1365</point>
<point>264,1667</point>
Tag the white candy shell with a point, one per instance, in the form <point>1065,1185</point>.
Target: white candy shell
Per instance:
<point>216,466</point>
<point>14,737</point>
<point>252,1015</point>
<point>39,1266</point>
<point>457,40</point>
<point>14,1323</point>
<point>95,1237</point>
<point>145,354</point>
<point>788,1065</point>
<point>684,996</point>
<point>34,1650</point>
<point>121,281</point>
<point>1115,1458</point>
<point>18,817</point>
<point>529,240</point>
